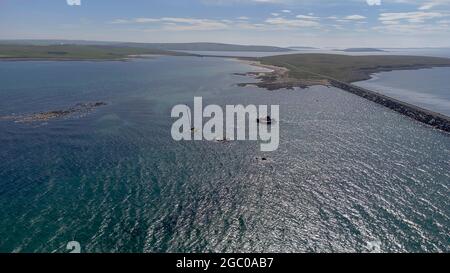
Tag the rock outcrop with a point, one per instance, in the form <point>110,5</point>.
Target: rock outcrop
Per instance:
<point>79,109</point>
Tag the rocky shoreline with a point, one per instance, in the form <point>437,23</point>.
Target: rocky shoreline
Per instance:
<point>276,78</point>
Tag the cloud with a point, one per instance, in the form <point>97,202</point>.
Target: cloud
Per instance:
<point>373,2</point>
<point>73,2</point>
<point>146,20</point>
<point>282,22</point>
<point>411,17</point>
<point>413,23</point>
<point>355,17</point>
<point>434,3</point>
<point>307,17</point>
<point>179,23</point>
<point>412,29</point>
<point>228,2</point>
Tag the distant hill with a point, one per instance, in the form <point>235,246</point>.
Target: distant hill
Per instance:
<point>53,42</point>
<point>77,52</point>
<point>207,47</point>
<point>301,47</point>
<point>362,49</point>
<point>158,46</point>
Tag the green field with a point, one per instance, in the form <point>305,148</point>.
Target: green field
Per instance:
<point>76,52</point>
<point>348,68</point>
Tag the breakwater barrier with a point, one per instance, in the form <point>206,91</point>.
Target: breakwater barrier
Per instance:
<point>430,118</point>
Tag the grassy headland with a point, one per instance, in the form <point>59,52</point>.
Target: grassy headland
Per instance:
<point>311,69</point>
<point>92,50</point>
<point>76,52</point>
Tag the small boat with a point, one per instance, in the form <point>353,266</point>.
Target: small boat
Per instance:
<point>264,160</point>
<point>265,120</point>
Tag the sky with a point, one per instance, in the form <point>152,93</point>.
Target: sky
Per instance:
<point>316,23</point>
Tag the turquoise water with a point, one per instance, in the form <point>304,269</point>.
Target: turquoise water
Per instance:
<point>427,88</point>
<point>347,172</point>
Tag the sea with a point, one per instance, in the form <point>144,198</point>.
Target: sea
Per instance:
<point>426,88</point>
<point>349,174</point>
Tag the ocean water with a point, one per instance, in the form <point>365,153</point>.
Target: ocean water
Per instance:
<point>427,88</point>
<point>347,172</point>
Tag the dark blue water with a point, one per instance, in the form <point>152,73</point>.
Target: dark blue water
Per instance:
<point>347,172</point>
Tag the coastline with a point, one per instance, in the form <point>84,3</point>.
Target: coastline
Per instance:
<point>278,78</point>
<point>14,59</point>
<point>370,73</point>
<point>120,59</point>
<point>77,59</point>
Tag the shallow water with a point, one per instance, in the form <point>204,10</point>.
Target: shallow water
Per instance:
<point>347,172</point>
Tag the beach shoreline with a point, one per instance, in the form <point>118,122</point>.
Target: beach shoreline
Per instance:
<point>276,77</point>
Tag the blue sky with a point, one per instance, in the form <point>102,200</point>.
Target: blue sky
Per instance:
<point>327,23</point>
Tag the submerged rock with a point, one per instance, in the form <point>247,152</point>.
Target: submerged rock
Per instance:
<point>79,109</point>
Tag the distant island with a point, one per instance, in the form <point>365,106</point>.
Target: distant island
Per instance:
<point>361,49</point>
<point>206,47</point>
<point>302,48</point>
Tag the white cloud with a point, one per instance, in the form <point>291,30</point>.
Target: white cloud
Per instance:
<point>196,24</point>
<point>307,17</point>
<point>354,17</point>
<point>413,29</point>
<point>146,20</point>
<point>432,4</point>
<point>373,2</point>
<point>282,22</point>
<point>73,2</point>
<point>411,17</point>
<point>177,23</point>
<point>227,2</point>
